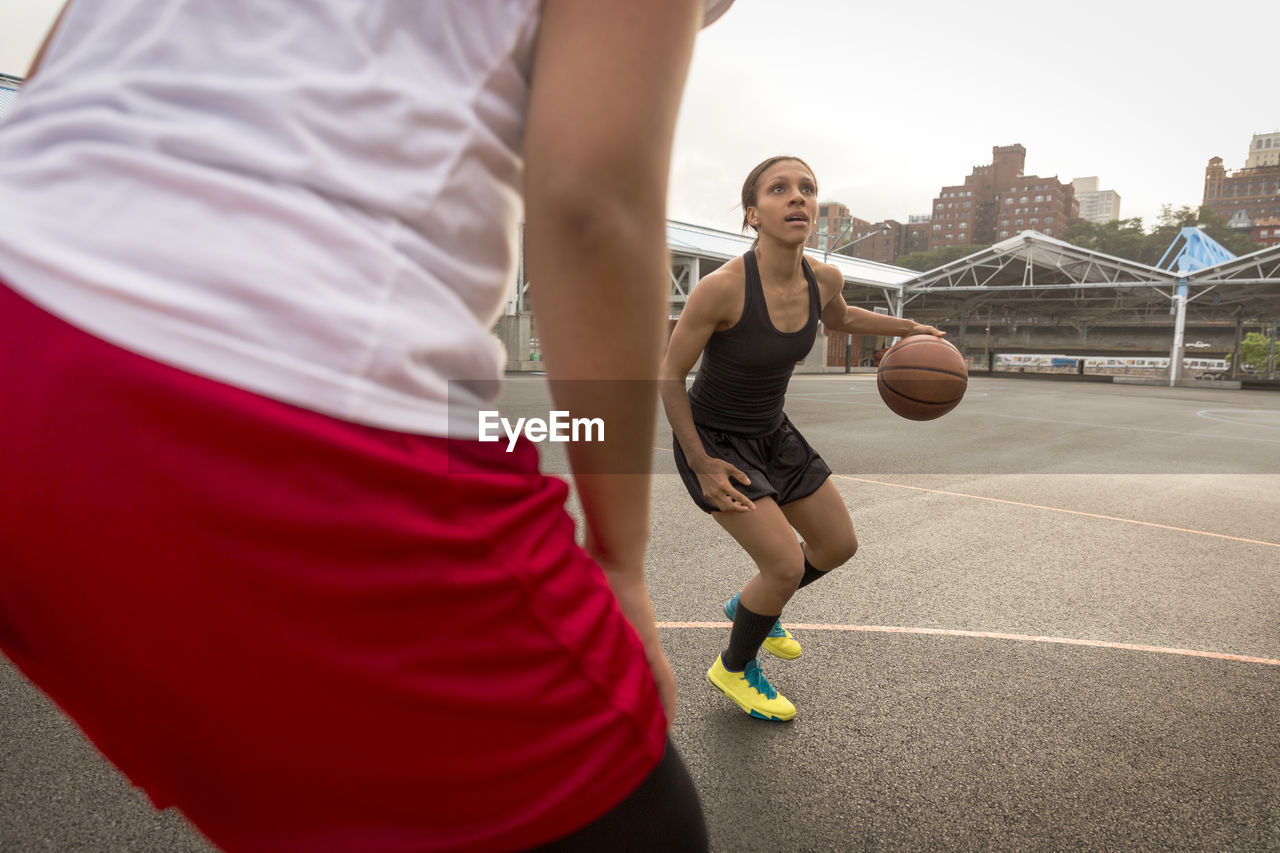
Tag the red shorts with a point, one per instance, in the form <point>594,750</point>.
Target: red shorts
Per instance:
<point>305,633</point>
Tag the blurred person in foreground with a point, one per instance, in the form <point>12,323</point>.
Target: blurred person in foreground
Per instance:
<point>247,283</point>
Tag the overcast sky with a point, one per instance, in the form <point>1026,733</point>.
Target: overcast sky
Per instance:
<point>891,101</point>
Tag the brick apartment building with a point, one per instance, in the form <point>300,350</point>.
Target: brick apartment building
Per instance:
<point>997,201</point>
<point>1266,232</point>
<point>837,231</point>
<point>876,241</point>
<point>915,234</point>
<point>1242,197</point>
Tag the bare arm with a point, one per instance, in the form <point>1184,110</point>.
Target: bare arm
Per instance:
<point>607,81</point>
<point>710,303</point>
<point>841,317</point>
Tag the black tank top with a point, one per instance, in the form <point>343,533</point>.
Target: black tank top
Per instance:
<point>745,369</point>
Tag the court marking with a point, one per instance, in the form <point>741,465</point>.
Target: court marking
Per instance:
<point>1047,508</point>
<point>1059,509</point>
<point>999,635</point>
<point>826,397</point>
<point>1214,415</point>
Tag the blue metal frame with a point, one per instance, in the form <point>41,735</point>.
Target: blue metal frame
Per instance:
<point>1198,251</point>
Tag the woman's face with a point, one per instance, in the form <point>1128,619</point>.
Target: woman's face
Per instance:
<point>786,201</point>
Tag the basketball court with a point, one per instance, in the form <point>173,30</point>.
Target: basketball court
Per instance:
<point>1061,632</point>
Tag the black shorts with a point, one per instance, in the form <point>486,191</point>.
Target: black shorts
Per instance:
<point>781,465</point>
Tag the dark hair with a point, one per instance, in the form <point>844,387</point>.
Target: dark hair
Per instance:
<point>751,186</point>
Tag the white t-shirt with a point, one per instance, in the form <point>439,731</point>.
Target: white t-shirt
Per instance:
<point>321,207</point>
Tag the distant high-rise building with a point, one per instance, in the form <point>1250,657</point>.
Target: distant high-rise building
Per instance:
<point>997,201</point>
<point>1244,196</point>
<point>1264,150</point>
<point>1096,205</point>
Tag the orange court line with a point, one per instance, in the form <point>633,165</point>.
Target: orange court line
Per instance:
<point>996,635</point>
<point>1060,509</point>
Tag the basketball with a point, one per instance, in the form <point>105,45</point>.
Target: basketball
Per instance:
<point>922,377</point>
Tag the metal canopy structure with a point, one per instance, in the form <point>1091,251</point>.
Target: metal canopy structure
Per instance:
<point>1198,251</point>
<point>1050,282</point>
<point>1041,276</point>
<point>696,251</point>
<point>9,87</point>
<point>1030,278</point>
<point>1059,282</point>
<point>1250,282</point>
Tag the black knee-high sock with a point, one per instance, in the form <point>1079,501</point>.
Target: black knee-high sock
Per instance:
<point>810,573</point>
<point>749,632</point>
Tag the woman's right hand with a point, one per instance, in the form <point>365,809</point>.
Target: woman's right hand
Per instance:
<point>716,477</point>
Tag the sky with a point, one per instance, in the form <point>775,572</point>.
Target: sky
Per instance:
<point>889,102</point>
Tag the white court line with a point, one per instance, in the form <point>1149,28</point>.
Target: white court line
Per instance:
<point>1047,508</point>
<point>945,632</point>
<point>1059,509</point>
<point>826,398</point>
<point>1209,414</point>
<point>997,635</point>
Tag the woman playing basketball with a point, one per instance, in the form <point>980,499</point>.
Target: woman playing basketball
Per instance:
<point>738,454</point>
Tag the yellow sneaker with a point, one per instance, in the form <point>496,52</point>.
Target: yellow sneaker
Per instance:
<point>779,643</point>
<point>752,691</point>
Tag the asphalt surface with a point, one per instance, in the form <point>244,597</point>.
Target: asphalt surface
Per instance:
<point>1005,665</point>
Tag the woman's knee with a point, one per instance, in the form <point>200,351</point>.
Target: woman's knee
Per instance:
<point>832,553</point>
<point>783,569</point>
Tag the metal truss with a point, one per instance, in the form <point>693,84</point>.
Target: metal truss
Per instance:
<point>1048,280</point>
<point>1034,260</point>
<point>684,274</point>
<point>1262,266</point>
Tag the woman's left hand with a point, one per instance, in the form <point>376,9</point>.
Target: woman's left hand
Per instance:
<point>918,329</point>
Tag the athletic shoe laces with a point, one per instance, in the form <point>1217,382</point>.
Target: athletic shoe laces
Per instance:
<point>755,677</point>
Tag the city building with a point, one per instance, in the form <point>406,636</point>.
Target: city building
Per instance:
<point>997,201</point>
<point>1245,196</point>
<point>838,231</point>
<point>1036,204</point>
<point>832,227</point>
<point>874,241</point>
<point>1264,150</point>
<point>1267,232</point>
<point>1096,205</point>
<point>915,234</point>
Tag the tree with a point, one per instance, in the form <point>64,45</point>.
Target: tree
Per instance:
<point>1120,238</point>
<point>1173,220</point>
<point>1125,238</point>
<point>937,257</point>
<point>1254,351</point>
